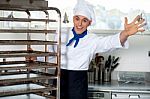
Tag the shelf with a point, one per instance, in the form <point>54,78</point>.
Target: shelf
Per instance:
<point>25,19</point>
<point>112,32</point>
<point>26,96</point>
<point>23,53</point>
<point>27,42</point>
<point>22,76</point>
<point>26,31</point>
<point>9,7</point>
<point>21,7</point>
<point>23,89</point>
<point>25,3</point>
<point>14,65</point>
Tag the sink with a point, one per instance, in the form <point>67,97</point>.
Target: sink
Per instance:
<point>131,82</point>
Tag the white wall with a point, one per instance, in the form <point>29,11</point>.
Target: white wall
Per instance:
<point>136,57</point>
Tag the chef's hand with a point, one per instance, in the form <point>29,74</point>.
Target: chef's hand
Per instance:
<point>135,26</point>
<point>132,28</point>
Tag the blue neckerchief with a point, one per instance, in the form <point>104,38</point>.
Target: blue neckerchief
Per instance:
<point>76,37</point>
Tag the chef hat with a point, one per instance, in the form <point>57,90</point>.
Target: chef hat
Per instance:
<point>85,9</point>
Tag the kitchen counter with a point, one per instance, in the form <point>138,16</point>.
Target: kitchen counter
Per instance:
<point>115,86</point>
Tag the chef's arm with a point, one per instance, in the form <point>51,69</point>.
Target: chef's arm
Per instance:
<point>131,28</point>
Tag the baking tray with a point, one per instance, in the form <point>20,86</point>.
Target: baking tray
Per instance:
<point>28,96</point>
<point>24,76</point>
<point>27,42</point>
<point>25,19</point>
<point>25,3</point>
<point>14,65</point>
<point>24,89</point>
<point>25,8</point>
<point>25,96</point>
<point>26,31</point>
<point>24,53</point>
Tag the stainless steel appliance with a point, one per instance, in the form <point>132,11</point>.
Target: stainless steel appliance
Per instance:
<point>129,95</point>
<point>94,94</point>
<point>132,85</point>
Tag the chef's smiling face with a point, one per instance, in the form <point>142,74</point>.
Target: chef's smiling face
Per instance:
<point>81,23</point>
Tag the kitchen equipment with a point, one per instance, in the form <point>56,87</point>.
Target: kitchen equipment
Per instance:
<point>91,71</point>
<point>130,95</point>
<point>66,20</point>
<point>114,66</point>
<point>107,75</point>
<point>100,70</point>
<point>131,86</point>
<point>95,94</point>
<point>99,60</point>
<point>110,64</point>
<point>129,76</point>
<point>19,76</point>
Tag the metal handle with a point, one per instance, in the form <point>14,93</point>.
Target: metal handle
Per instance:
<point>114,95</point>
<point>134,96</point>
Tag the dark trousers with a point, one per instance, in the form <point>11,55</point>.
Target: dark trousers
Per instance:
<point>73,84</point>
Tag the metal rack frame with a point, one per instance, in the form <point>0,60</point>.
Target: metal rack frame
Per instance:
<point>11,68</point>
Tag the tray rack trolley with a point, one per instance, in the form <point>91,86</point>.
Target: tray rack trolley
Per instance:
<point>20,77</point>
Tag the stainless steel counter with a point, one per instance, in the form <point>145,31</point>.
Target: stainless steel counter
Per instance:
<point>115,86</point>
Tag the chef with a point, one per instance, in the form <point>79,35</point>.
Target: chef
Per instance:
<point>79,46</point>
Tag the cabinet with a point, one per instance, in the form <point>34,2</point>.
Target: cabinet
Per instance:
<point>22,30</point>
<point>130,95</point>
<point>93,94</point>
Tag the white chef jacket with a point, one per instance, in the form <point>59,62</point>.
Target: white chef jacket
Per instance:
<point>79,58</point>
